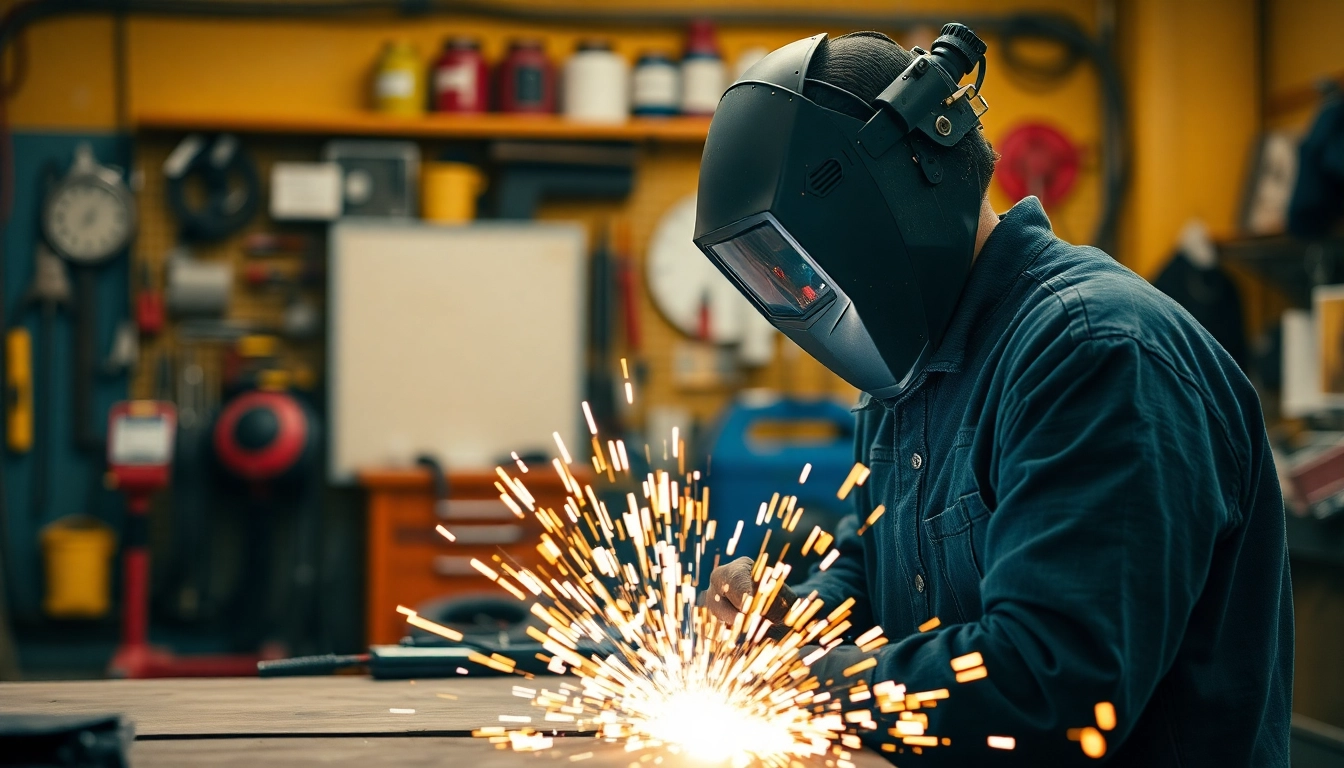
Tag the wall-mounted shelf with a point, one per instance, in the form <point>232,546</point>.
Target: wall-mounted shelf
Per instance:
<point>686,130</point>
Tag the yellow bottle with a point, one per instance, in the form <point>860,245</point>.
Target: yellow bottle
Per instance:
<point>398,80</point>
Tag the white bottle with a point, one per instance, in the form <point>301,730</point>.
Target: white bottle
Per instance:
<point>703,75</point>
<point>655,87</point>
<point>596,87</point>
<point>746,58</point>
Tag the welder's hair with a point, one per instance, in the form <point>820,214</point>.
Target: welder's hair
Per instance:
<point>865,63</point>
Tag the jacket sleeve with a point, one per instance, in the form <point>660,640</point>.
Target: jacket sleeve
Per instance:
<point>1106,505</point>
<point>847,576</point>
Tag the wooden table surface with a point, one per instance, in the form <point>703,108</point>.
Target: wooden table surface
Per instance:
<point>310,721</point>
<point>276,706</point>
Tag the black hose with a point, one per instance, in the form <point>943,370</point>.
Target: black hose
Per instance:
<point>232,191</point>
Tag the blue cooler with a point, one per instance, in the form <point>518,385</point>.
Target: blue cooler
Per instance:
<point>760,449</point>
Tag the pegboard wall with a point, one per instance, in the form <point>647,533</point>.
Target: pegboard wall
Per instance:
<point>166,357</point>
<point>663,175</point>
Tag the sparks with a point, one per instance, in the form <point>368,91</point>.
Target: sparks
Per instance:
<point>713,729</point>
<point>655,669</point>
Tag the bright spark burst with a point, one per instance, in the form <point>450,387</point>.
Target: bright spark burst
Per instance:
<point>657,671</point>
<point>714,730</point>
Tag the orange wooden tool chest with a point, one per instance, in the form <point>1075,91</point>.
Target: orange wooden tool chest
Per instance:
<point>409,562</point>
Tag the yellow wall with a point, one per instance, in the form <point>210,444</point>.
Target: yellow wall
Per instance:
<point>1191,72</point>
<point>68,83</point>
<point>1302,44</point>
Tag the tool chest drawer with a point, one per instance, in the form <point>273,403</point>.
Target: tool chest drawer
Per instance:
<point>409,562</point>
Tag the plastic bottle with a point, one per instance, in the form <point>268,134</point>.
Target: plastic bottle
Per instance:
<point>526,79</point>
<point>746,59</point>
<point>655,86</point>
<point>461,78</point>
<point>398,87</point>
<point>702,71</point>
<point>596,84</point>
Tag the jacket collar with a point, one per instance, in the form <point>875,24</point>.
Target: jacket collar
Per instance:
<point>1023,232</point>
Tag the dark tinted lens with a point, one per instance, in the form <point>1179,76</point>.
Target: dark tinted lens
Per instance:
<point>783,279</point>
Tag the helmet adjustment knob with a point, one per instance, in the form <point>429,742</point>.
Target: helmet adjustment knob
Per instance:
<point>958,49</point>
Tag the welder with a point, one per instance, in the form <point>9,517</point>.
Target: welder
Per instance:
<point>1077,478</point>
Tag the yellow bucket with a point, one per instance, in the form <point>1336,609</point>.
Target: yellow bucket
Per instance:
<point>78,552</point>
<point>448,192</point>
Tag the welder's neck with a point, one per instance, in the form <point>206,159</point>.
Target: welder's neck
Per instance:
<point>988,221</point>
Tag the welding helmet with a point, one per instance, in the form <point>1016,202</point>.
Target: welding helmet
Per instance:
<point>847,234</point>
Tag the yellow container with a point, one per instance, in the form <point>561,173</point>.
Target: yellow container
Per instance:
<point>398,82</point>
<point>19,373</point>
<point>78,552</point>
<point>448,192</point>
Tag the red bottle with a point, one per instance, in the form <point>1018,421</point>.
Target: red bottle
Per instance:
<point>526,79</point>
<point>460,78</point>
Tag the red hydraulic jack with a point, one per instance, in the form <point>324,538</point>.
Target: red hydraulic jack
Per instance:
<point>139,457</point>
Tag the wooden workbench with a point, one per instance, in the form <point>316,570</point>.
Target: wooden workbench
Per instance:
<point>329,721</point>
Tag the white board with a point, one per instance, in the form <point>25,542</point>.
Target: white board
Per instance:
<point>462,341</point>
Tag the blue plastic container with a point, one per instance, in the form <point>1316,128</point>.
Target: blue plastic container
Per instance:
<point>760,449</point>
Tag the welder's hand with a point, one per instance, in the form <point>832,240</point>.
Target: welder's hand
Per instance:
<point>830,669</point>
<point>730,587</point>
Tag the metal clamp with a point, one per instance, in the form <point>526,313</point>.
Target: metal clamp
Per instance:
<point>973,99</point>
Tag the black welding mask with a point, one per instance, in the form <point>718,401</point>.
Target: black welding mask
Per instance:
<point>848,235</point>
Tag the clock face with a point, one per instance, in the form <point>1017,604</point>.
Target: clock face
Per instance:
<point>683,280</point>
<point>88,221</point>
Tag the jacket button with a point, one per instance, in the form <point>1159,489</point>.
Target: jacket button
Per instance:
<point>919,582</point>
<point>916,461</point>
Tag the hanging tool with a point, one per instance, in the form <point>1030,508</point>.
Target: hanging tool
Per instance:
<point>601,387</point>
<point>125,352</point>
<point>268,441</point>
<point>88,217</point>
<point>50,290</point>
<point>530,173</point>
<point>301,319</point>
<point>229,178</point>
<point>277,244</point>
<point>148,304</point>
<point>19,389</point>
<point>310,273</point>
<point>197,287</point>
<point>190,389</point>
<point>139,456</point>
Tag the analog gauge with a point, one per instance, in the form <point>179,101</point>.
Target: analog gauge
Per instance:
<point>686,285</point>
<point>89,216</point>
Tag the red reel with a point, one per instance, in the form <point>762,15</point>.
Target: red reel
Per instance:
<point>1036,159</point>
<point>261,435</point>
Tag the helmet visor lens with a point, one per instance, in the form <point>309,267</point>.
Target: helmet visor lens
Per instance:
<point>778,273</point>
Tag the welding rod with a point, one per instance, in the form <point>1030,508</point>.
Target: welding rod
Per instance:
<point>310,665</point>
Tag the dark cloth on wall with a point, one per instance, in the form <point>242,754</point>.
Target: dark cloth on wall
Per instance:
<point>1318,193</point>
<point>1211,297</point>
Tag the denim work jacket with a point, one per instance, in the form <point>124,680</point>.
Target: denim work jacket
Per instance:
<point>1080,488</point>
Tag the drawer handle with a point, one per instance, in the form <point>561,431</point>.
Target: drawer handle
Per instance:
<point>454,565</point>
<point>473,509</point>
<point>488,534</point>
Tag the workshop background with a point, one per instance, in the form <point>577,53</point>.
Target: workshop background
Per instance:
<point>312,211</point>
